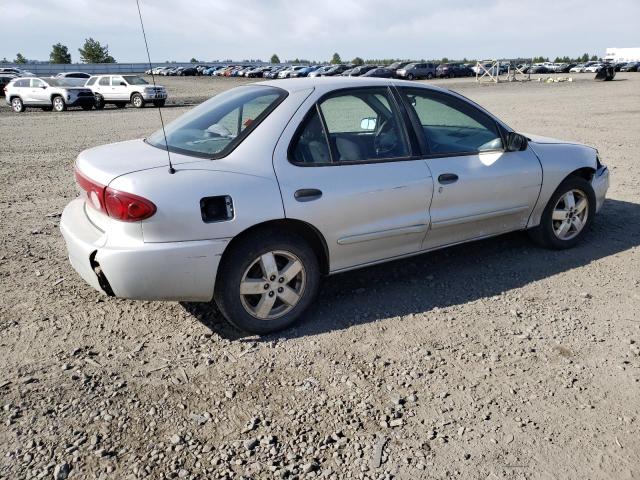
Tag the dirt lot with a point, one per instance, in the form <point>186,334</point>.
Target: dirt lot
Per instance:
<point>493,360</point>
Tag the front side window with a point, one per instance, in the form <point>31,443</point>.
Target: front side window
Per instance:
<point>37,83</point>
<point>451,125</point>
<point>217,126</point>
<point>361,125</point>
<point>134,80</point>
<point>116,81</point>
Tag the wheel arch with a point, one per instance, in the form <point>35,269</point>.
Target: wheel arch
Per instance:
<point>308,232</point>
<point>583,172</point>
<point>133,93</point>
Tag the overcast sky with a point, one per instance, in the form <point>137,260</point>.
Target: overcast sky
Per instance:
<point>239,29</point>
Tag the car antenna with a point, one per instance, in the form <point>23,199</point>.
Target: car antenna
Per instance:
<point>153,78</point>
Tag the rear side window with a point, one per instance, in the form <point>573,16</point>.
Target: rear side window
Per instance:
<point>104,81</point>
<point>217,126</point>
<point>21,83</point>
<point>451,125</point>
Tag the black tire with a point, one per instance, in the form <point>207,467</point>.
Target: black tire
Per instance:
<point>137,100</point>
<point>429,76</point>
<point>17,105</point>
<point>58,104</point>
<point>240,258</point>
<point>544,234</point>
<point>410,76</point>
<point>99,104</point>
<point>121,105</point>
<point>159,103</point>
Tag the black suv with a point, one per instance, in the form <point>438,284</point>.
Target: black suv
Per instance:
<point>451,70</point>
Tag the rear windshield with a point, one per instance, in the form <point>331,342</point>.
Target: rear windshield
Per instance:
<point>133,80</point>
<point>216,127</point>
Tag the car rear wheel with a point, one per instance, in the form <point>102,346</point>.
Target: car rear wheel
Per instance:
<point>137,100</point>
<point>429,76</point>
<point>17,105</point>
<point>267,281</point>
<point>567,216</point>
<point>410,76</point>
<point>58,104</point>
<point>99,104</point>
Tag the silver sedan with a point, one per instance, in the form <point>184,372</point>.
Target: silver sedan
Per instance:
<point>274,185</point>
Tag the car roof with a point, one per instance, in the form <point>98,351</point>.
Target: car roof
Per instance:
<point>297,84</point>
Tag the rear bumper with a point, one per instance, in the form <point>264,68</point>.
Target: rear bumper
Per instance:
<point>600,184</point>
<point>181,271</point>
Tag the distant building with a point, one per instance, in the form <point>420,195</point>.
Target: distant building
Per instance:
<point>623,54</point>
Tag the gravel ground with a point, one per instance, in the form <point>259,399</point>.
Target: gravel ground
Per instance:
<point>492,360</point>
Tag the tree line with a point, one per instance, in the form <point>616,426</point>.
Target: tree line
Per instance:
<point>92,51</point>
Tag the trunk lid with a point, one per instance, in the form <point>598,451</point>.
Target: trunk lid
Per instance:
<point>105,163</point>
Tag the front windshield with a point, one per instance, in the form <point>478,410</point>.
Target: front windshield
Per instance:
<point>217,126</point>
<point>133,80</point>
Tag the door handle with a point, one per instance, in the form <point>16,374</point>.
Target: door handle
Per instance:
<point>307,194</point>
<point>447,178</point>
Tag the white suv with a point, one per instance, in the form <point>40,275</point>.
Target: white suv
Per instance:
<point>47,93</point>
<point>122,89</point>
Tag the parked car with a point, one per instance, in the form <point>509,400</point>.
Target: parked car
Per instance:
<point>337,70</point>
<point>360,70</point>
<point>46,93</point>
<point>379,72</point>
<point>120,90</point>
<point>539,68</point>
<point>395,66</point>
<point>17,72</point>
<point>451,70</point>
<point>241,222</point>
<point>188,72</point>
<point>594,68</point>
<point>579,68</point>
<point>304,72</point>
<point>320,71</point>
<point>5,78</point>
<point>417,71</point>
<point>73,75</point>
<point>631,67</point>
<point>286,73</point>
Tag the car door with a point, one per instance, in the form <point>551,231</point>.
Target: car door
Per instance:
<point>119,88</point>
<point>480,188</point>
<point>39,93</point>
<point>346,165</point>
<point>103,87</point>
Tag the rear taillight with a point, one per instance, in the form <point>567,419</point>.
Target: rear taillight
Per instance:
<point>118,205</point>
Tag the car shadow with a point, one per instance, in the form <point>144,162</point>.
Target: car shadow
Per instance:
<point>444,278</point>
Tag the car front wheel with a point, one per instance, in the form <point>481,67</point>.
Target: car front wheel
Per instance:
<point>17,105</point>
<point>266,282</point>
<point>567,216</point>
<point>137,100</point>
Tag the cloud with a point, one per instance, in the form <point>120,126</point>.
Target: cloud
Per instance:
<point>315,29</point>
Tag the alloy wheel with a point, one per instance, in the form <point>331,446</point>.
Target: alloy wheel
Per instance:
<point>16,104</point>
<point>58,104</point>
<point>570,214</point>
<point>272,285</point>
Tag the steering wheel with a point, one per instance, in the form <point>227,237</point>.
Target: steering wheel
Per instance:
<point>385,139</point>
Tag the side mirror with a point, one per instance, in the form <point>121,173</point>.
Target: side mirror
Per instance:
<point>43,87</point>
<point>122,84</point>
<point>516,142</point>
<point>368,123</point>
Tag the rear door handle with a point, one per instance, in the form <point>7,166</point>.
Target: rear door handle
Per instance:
<point>307,194</point>
<point>447,178</point>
